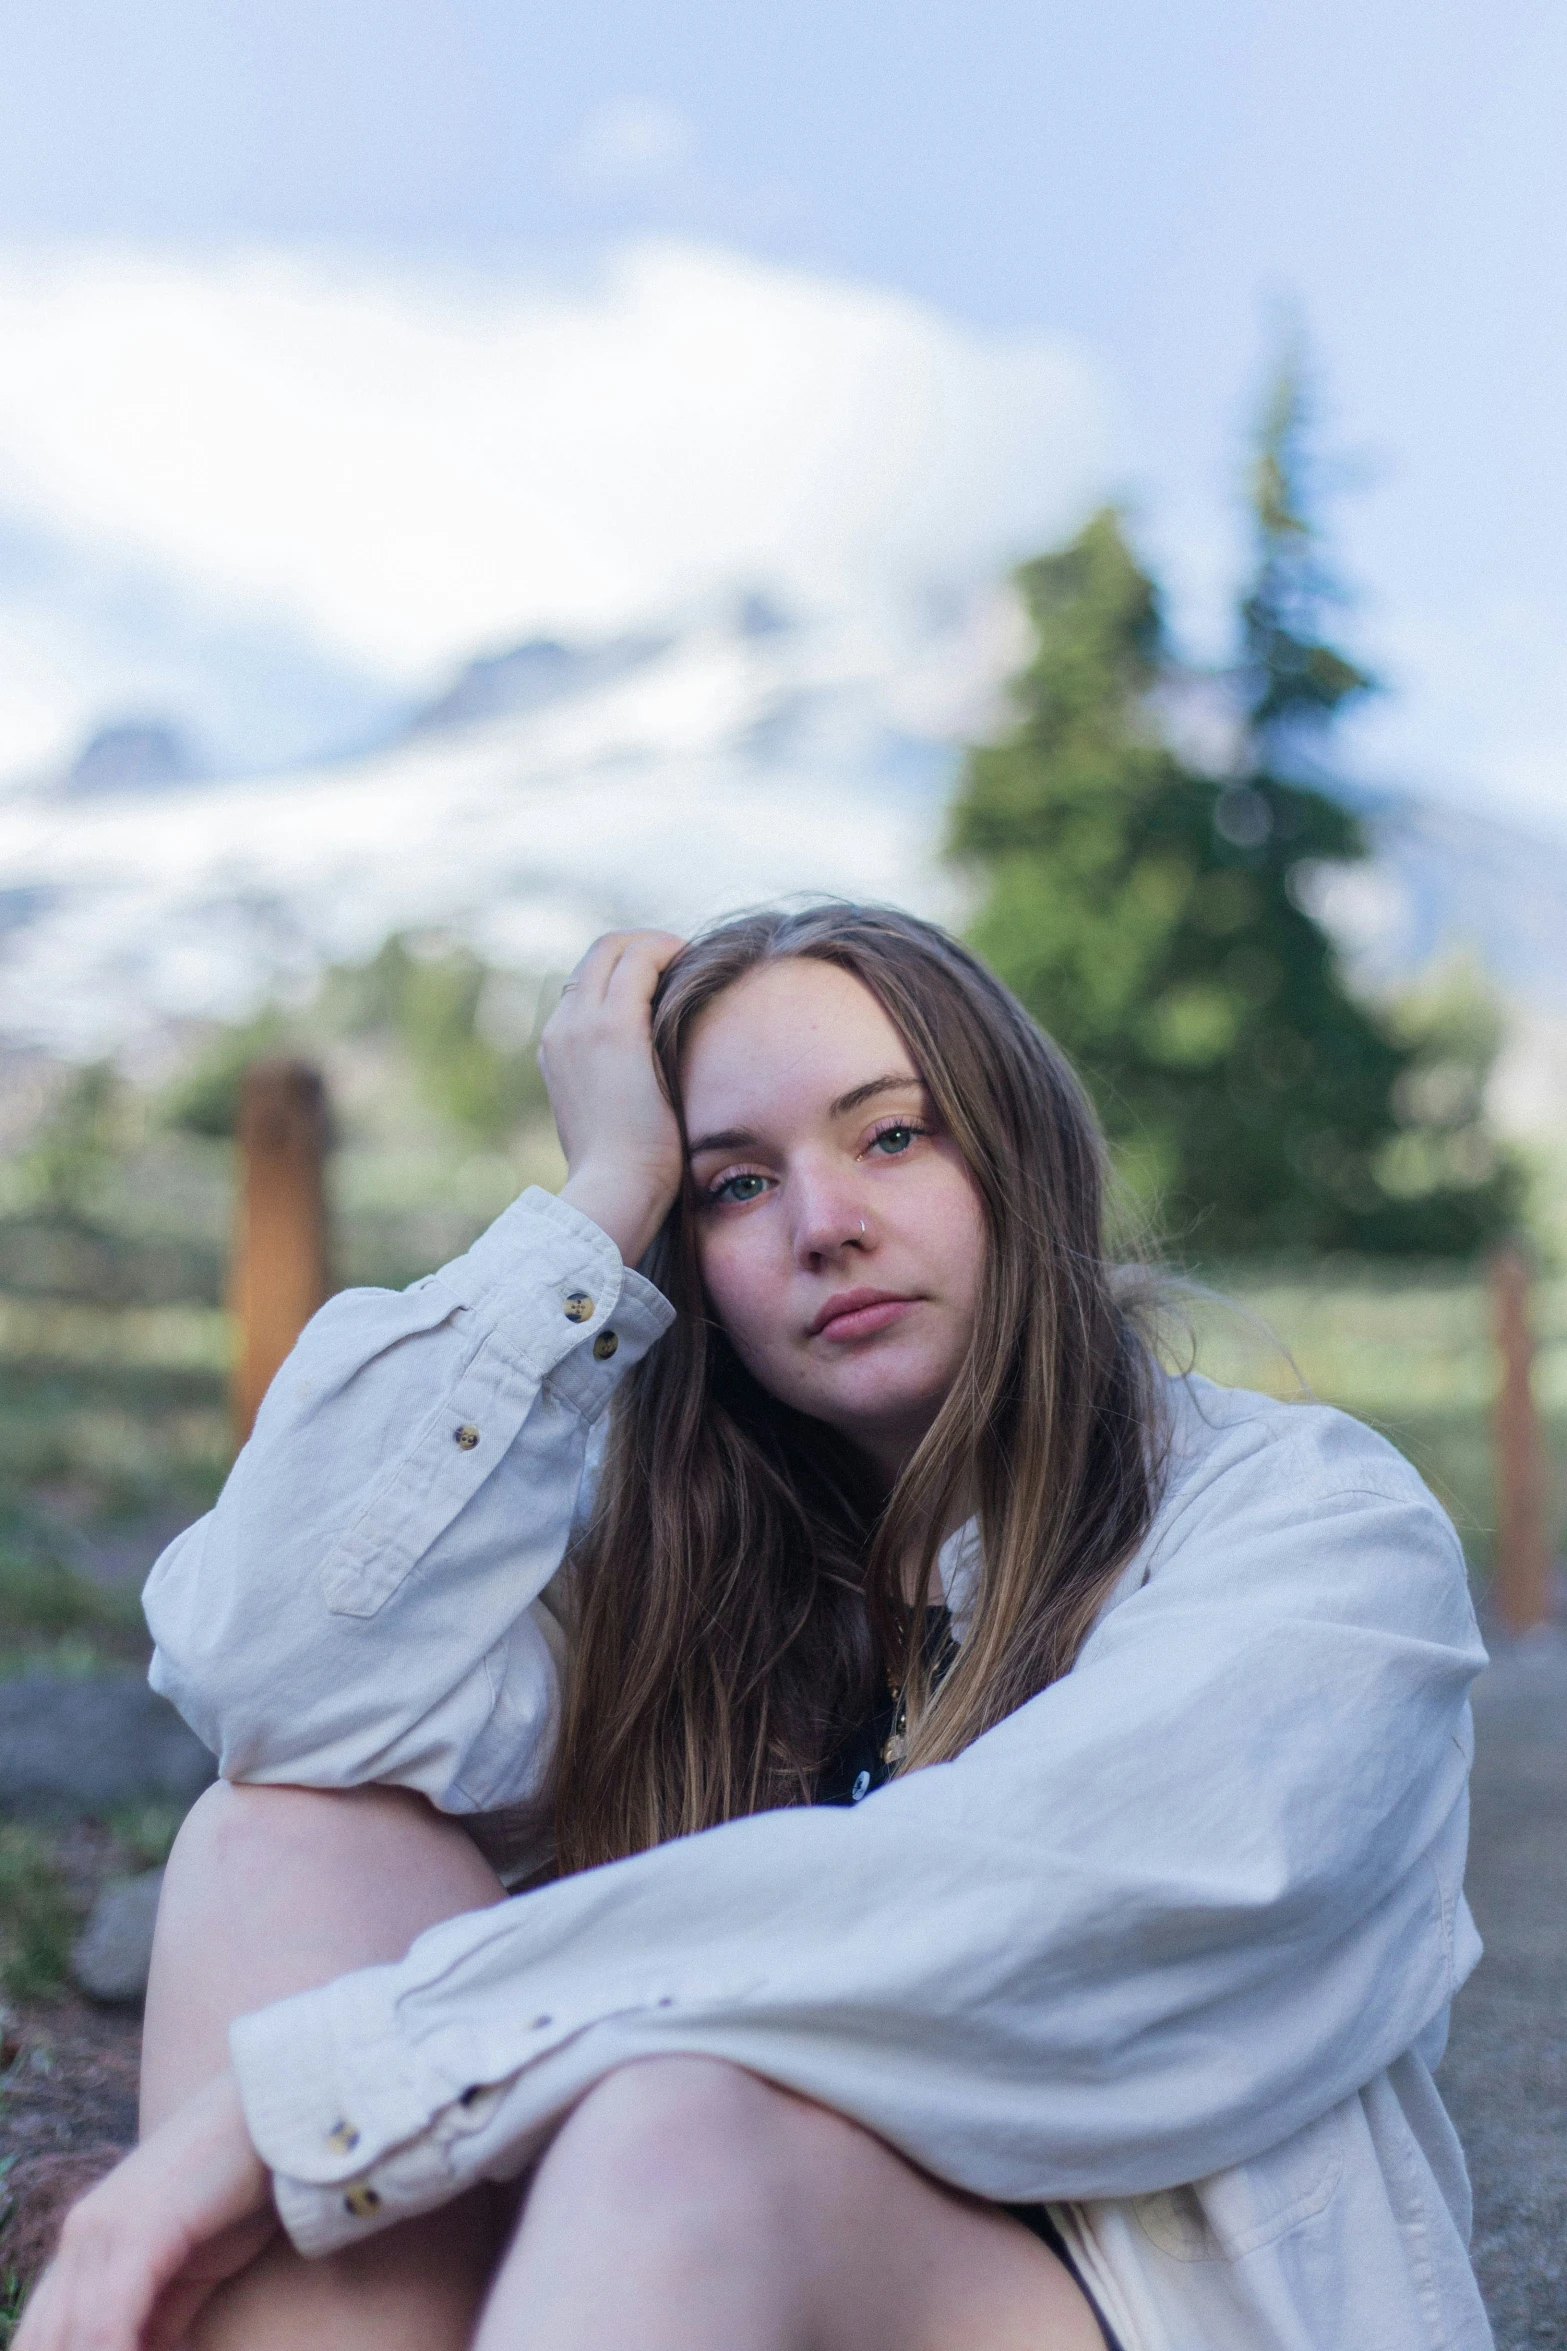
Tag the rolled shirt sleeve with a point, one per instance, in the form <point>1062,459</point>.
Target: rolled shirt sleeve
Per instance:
<point>364,1603</point>
<point>1175,1907</point>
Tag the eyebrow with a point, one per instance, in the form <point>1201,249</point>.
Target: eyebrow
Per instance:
<point>738,1138</point>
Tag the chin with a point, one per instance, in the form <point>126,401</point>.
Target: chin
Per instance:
<point>875,1407</point>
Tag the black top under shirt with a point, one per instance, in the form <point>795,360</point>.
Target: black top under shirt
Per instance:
<point>860,1765</point>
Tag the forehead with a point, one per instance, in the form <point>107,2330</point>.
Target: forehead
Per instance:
<point>791,1035</point>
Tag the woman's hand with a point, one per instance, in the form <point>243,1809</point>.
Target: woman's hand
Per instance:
<point>620,1137</point>
<point>142,2251</point>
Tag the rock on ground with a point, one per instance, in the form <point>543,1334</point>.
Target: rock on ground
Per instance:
<point>92,1744</point>
<point>114,1950</point>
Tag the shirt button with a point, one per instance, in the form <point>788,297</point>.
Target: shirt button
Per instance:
<point>361,2200</point>
<point>604,1345</point>
<point>343,2138</point>
<point>579,1306</point>
<point>466,1437</point>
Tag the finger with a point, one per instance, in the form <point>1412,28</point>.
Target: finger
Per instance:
<point>642,961</point>
<point>623,966</point>
<point>82,2303</point>
<point>592,974</point>
<point>210,2266</point>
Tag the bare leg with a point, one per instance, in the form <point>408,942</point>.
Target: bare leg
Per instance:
<point>684,2206</point>
<point>270,1891</point>
<point>688,2206</point>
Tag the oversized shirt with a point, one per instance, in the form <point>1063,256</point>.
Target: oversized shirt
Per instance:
<point>1170,1949</point>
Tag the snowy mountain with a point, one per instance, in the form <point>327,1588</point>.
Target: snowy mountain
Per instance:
<point>659,776</point>
<point>552,792</point>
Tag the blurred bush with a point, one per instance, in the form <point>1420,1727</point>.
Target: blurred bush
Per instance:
<point>70,1161</point>
<point>466,1034</point>
<point>204,1099</point>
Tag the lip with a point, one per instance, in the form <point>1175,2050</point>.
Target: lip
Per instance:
<point>858,1314</point>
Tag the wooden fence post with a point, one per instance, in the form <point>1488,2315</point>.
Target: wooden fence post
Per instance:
<point>279,1273</point>
<point>1523,1551</point>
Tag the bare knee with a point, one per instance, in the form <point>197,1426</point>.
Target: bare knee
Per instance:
<point>663,2106</point>
<point>682,2148</point>
<point>237,1835</point>
<point>273,1890</point>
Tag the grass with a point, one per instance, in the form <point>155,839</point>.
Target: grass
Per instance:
<point>110,1439</point>
<point>37,1923</point>
<point>13,2295</point>
<point>114,1349</point>
<point>102,1457</point>
<point>54,1620</point>
<point>118,1417</point>
<point>146,1832</point>
<point>1408,1351</point>
<point>42,1904</point>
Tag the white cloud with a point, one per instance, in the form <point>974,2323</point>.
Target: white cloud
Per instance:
<point>397,469</point>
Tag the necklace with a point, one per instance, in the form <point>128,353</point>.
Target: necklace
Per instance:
<point>940,1652</point>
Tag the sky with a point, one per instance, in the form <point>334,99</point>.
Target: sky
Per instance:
<point>1054,245</point>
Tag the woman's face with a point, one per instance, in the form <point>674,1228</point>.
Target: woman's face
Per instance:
<point>840,1235</point>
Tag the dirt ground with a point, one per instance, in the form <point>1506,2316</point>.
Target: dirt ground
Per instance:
<point>68,2071</point>
<point>67,2113</point>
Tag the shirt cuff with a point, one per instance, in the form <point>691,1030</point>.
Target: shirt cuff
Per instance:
<point>549,1283</point>
<point>359,2132</point>
<point>319,2124</point>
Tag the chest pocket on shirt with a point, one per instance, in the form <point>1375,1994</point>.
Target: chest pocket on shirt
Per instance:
<point>1231,2213</point>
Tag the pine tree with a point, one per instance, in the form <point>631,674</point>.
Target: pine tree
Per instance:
<point>1151,915</point>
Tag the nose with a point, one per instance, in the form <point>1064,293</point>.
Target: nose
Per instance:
<point>831,1215</point>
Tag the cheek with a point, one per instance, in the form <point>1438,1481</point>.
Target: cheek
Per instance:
<point>953,1230</point>
<point>741,1285</point>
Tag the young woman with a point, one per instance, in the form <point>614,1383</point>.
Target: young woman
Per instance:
<point>991,1816</point>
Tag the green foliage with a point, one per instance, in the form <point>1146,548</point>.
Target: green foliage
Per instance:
<point>1294,679</point>
<point>79,1140</point>
<point>205,1099</point>
<point>146,1832</point>
<point>1442,1152</point>
<point>36,1924</point>
<point>13,2299</point>
<point>443,1010</point>
<point>1150,916</point>
<point>448,1011</point>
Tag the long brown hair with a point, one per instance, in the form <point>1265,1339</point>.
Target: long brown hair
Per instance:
<point>740,1586</point>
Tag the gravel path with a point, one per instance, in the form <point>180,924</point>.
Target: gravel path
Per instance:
<point>1505,2075</point>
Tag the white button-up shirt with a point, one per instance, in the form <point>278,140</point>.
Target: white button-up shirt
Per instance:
<point>1170,1949</point>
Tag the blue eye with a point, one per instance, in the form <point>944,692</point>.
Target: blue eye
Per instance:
<point>892,1140</point>
<point>739,1187</point>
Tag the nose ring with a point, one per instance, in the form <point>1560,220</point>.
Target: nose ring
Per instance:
<point>862,1228</point>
